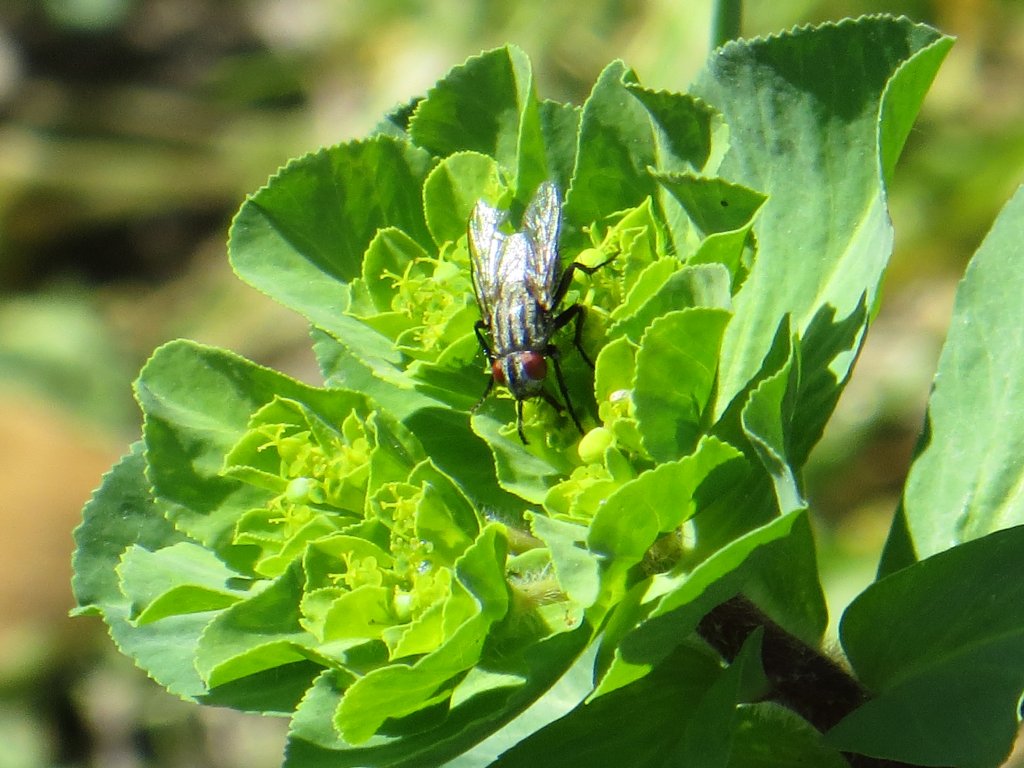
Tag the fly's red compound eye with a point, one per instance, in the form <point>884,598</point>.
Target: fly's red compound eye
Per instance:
<point>498,373</point>
<point>535,365</point>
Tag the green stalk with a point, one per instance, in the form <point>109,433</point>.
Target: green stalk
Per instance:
<point>726,16</point>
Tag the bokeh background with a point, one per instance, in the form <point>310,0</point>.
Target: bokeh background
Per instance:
<point>130,132</point>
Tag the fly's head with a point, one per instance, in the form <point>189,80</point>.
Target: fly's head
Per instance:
<point>522,372</point>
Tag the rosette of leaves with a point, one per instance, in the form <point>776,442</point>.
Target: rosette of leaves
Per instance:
<point>395,569</point>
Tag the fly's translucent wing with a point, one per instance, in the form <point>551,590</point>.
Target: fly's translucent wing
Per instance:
<point>486,245</point>
<point>541,223</point>
<point>516,274</point>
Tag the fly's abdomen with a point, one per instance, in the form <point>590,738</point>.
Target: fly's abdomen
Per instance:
<point>519,324</point>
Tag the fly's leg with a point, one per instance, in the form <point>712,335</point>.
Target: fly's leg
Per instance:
<point>478,328</point>
<point>552,352</point>
<point>578,313</point>
<point>519,422</point>
<point>566,279</point>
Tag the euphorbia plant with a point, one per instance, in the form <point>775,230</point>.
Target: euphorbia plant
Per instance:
<point>407,579</point>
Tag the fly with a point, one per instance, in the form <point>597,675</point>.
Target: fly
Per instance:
<point>519,285</point>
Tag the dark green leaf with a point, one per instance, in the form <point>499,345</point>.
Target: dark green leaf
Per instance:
<point>560,125</point>
<point>826,350</point>
<point>803,111</point>
<point>121,513</point>
<point>771,736</point>
<point>713,205</point>
<point>687,128</point>
<point>706,741</point>
<point>967,479</point>
<point>638,725</point>
<point>941,644</point>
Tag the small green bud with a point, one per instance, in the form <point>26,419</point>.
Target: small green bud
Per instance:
<point>593,445</point>
<point>300,489</point>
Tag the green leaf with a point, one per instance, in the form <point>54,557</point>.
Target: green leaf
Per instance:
<point>614,368</point>
<point>687,128</point>
<point>257,634</point>
<point>560,125</point>
<point>123,513</point>
<point>576,567</point>
<point>444,432</point>
<point>120,514</point>
<point>398,690</point>
<point>567,692</point>
<point>488,106</point>
<point>452,190</point>
<point>346,364</point>
<point>771,736</point>
<point>389,255</point>
<point>713,205</point>
<point>463,456</point>
<point>706,741</point>
<point>826,343</point>
<point>659,500</point>
<point>682,714</point>
<point>181,578</point>
<point>815,149</point>
<point>730,249</point>
<point>198,402</point>
<point>660,612</point>
<point>616,147</point>
<point>766,418</point>
<point>941,644</point>
<point>313,742</point>
<point>446,517</point>
<point>967,478</point>
<point>527,471</point>
<point>689,136</point>
<point>706,285</point>
<point>301,238</point>
<point>785,584</point>
<point>639,725</point>
<point>675,377</point>
<point>722,214</point>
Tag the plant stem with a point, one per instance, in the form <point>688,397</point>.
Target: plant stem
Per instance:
<point>726,17</point>
<point>802,678</point>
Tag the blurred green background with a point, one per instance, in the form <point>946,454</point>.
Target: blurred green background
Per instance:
<point>131,130</point>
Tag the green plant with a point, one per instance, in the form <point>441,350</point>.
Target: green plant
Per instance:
<point>407,580</point>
